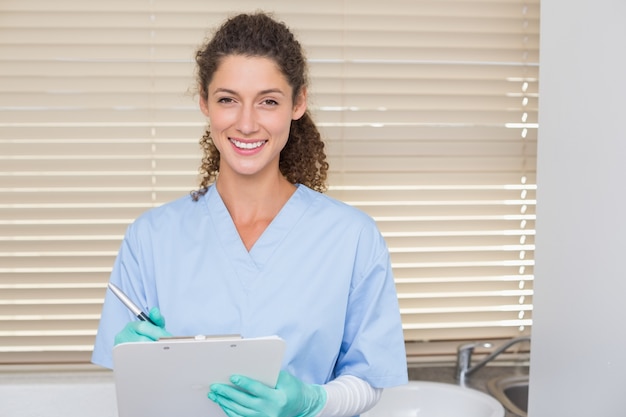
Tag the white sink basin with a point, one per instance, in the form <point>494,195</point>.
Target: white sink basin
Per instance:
<point>435,399</point>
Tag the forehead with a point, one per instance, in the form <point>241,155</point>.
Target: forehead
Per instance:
<point>249,73</point>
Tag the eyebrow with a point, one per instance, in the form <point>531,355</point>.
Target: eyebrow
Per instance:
<point>261,93</point>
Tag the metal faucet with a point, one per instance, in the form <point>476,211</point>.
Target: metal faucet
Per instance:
<point>464,356</point>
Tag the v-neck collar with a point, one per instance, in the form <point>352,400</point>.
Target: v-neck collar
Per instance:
<point>249,264</point>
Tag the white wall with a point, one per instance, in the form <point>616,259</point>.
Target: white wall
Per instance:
<point>578,363</point>
<point>57,394</point>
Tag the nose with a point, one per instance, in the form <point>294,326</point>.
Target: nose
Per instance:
<point>247,121</point>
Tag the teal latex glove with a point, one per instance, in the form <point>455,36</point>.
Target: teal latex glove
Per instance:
<point>143,331</point>
<point>251,398</point>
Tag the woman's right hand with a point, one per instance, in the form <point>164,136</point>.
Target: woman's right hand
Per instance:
<point>144,331</point>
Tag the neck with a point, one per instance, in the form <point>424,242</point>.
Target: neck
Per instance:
<point>251,199</point>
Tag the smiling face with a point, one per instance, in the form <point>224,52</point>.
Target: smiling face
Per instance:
<point>250,107</point>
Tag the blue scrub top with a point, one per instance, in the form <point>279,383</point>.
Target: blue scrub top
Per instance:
<point>319,277</point>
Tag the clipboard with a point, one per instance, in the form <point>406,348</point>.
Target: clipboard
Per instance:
<point>171,377</point>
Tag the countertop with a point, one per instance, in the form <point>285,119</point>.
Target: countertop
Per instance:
<point>57,393</point>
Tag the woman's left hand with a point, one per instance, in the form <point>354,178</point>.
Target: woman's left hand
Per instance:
<point>251,398</point>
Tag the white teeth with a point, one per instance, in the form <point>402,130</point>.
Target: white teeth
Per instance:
<point>244,145</point>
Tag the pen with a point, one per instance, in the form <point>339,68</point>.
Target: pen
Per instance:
<point>129,304</point>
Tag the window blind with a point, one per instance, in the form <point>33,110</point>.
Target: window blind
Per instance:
<point>429,110</point>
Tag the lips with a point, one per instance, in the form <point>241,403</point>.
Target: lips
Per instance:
<point>247,145</point>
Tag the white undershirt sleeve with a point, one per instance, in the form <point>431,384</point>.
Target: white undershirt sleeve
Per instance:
<point>348,396</point>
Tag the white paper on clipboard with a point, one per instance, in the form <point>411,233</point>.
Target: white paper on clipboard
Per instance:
<point>171,377</point>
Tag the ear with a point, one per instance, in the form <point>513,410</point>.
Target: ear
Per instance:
<point>300,105</point>
<point>204,105</point>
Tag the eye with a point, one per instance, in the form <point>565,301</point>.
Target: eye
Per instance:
<point>225,100</point>
<point>270,102</point>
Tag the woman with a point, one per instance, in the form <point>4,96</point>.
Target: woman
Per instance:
<point>258,250</point>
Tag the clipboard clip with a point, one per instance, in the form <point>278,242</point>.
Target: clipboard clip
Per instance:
<point>202,337</point>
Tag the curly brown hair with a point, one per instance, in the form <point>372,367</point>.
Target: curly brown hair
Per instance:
<point>302,160</point>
